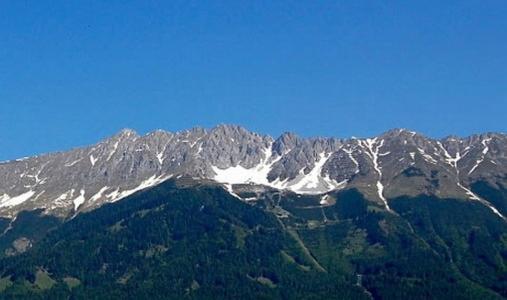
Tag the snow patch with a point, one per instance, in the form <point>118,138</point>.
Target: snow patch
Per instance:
<point>474,196</point>
<point>6,201</point>
<point>79,200</point>
<point>65,195</point>
<point>485,143</point>
<point>412,155</point>
<point>38,195</point>
<point>228,188</point>
<point>153,180</point>
<point>372,149</point>
<point>73,163</point>
<point>453,161</point>
<point>314,182</point>
<point>427,157</point>
<point>160,157</point>
<point>241,175</point>
<point>62,200</point>
<point>4,197</point>
<point>114,194</point>
<point>98,195</point>
<point>36,176</point>
<point>325,200</point>
<point>250,198</point>
<point>93,160</point>
<point>115,146</point>
<point>349,152</point>
<point>311,183</point>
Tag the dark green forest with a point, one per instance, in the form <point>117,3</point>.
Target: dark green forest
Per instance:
<point>196,241</point>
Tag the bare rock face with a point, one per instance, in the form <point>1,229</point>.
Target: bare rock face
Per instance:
<point>19,246</point>
<point>396,163</point>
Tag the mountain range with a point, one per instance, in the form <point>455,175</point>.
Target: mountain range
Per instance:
<point>396,163</point>
<point>226,213</point>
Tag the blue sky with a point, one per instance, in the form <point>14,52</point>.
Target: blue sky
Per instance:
<point>73,72</point>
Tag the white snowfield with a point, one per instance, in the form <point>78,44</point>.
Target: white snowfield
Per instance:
<point>6,201</point>
<point>312,183</point>
<point>240,174</point>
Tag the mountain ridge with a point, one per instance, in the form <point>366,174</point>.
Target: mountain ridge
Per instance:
<point>136,132</point>
<point>290,133</point>
<point>84,178</point>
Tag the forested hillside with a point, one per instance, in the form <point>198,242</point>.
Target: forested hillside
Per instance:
<point>196,241</point>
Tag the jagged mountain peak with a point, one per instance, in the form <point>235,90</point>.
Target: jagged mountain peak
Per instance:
<point>286,142</point>
<point>159,132</point>
<point>402,133</point>
<point>197,130</point>
<point>126,133</point>
<point>230,129</point>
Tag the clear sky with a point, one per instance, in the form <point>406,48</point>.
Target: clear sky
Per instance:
<point>74,72</point>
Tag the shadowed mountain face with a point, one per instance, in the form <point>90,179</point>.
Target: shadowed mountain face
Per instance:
<point>397,163</point>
